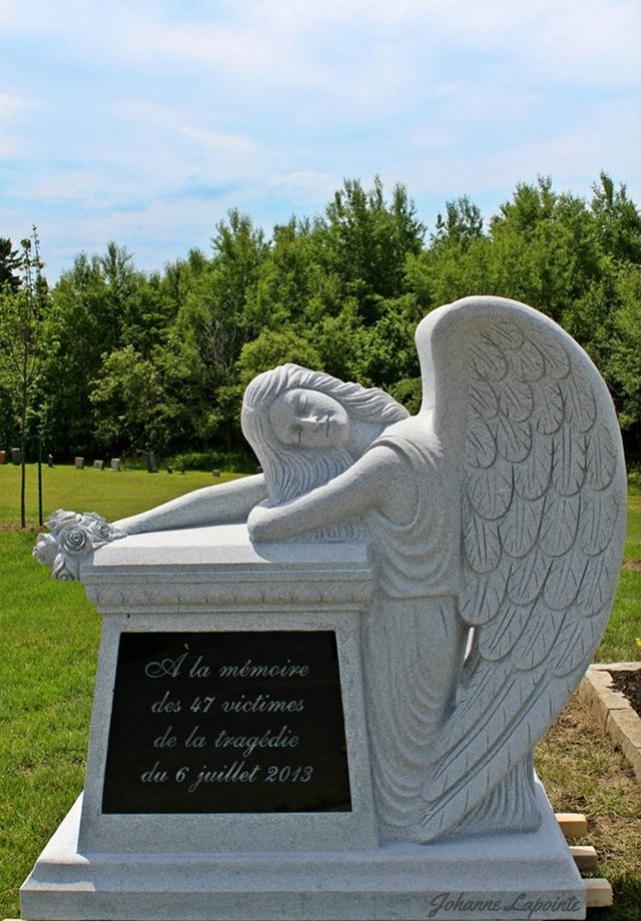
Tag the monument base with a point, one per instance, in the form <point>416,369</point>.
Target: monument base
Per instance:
<point>508,876</point>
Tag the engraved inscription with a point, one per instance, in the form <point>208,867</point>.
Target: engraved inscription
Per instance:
<point>216,722</point>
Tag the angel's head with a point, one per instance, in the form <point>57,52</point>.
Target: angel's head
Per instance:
<point>306,427</point>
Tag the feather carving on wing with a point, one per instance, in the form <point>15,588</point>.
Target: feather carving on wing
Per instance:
<point>542,486</point>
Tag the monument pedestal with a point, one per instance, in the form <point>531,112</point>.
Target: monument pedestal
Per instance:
<point>511,876</point>
<point>229,766</point>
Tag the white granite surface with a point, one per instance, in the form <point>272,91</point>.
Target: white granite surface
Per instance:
<point>466,559</point>
<point>518,876</point>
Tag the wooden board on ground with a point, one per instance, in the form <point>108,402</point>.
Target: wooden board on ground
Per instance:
<point>573,824</point>
<point>598,892</point>
<point>585,856</point>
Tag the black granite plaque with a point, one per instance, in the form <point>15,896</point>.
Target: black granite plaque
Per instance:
<point>227,722</point>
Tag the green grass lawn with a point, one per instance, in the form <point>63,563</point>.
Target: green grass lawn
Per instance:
<point>49,637</point>
<point>624,627</point>
<point>113,495</point>
<point>49,646</point>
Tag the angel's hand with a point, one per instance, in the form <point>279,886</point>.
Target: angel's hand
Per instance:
<point>128,525</point>
<point>259,522</point>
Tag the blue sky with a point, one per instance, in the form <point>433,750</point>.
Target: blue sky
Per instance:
<point>145,122</point>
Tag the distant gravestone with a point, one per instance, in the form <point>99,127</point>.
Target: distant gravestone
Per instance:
<point>79,463</point>
<point>98,464</point>
<point>152,466</point>
<point>15,456</point>
<point>49,460</point>
<point>215,473</point>
<point>115,464</point>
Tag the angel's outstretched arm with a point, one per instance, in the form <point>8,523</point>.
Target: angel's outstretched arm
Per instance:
<point>370,481</point>
<point>212,505</point>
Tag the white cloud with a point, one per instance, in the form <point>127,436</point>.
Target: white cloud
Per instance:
<point>165,115</point>
<point>174,122</point>
<point>8,13</point>
<point>607,138</point>
<point>589,41</point>
<point>66,186</point>
<point>219,140</point>
<point>306,187</point>
<point>576,39</point>
<point>277,37</point>
<point>10,105</point>
<point>10,147</point>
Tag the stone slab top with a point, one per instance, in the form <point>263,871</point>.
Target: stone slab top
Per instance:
<point>226,545</point>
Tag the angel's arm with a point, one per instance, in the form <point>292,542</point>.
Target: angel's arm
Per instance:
<point>212,505</point>
<point>370,481</point>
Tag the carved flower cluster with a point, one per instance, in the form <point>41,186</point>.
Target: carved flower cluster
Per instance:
<point>72,537</point>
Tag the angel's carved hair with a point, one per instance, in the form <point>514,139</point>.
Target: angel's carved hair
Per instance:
<point>287,468</point>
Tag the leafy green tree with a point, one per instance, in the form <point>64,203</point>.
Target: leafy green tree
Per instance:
<point>22,345</point>
<point>82,329</point>
<point>342,292</point>
<point>287,278</point>
<point>272,348</point>
<point>119,276</point>
<point>456,263</point>
<point>366,241</point>
<point>9,277</point>
<point>342,343</point>
<point>462,223</point>
<point>129,406</point>
<point>10,265</point>
<point>177,280</point>
<point>409,392</point>
<point>239,252</point>
<point>617,219</point>
<point>449,271</point>
<point>269,349</point>
<point>625,364</point>
<point>99,306</point>
<point>211,327</point>
<point>391,353</point>
<point>545,250</point>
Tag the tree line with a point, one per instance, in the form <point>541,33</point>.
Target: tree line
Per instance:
<point>125,361</point>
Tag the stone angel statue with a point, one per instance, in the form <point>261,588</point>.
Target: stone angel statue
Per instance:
<point>495,518</point>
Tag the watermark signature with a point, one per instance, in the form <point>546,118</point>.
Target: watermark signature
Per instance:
<point>527,904</point>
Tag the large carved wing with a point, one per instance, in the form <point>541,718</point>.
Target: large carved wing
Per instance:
<point>531,431</point>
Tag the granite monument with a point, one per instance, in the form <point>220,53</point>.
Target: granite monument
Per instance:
<point>320,687</point>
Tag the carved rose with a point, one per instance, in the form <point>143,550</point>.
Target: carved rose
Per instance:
<point>61,572</point>
<point>46,549</point>
<point>105,530</point>
<point>73,539</point>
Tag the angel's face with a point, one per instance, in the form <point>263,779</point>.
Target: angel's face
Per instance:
<point>309,419</point>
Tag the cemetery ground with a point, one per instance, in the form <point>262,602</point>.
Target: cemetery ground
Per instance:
<point>49,643</point>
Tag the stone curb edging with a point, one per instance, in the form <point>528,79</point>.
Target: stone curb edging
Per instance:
<point>612,710</point>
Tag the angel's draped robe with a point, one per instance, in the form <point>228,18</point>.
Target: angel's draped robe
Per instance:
<point>413,638</point>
